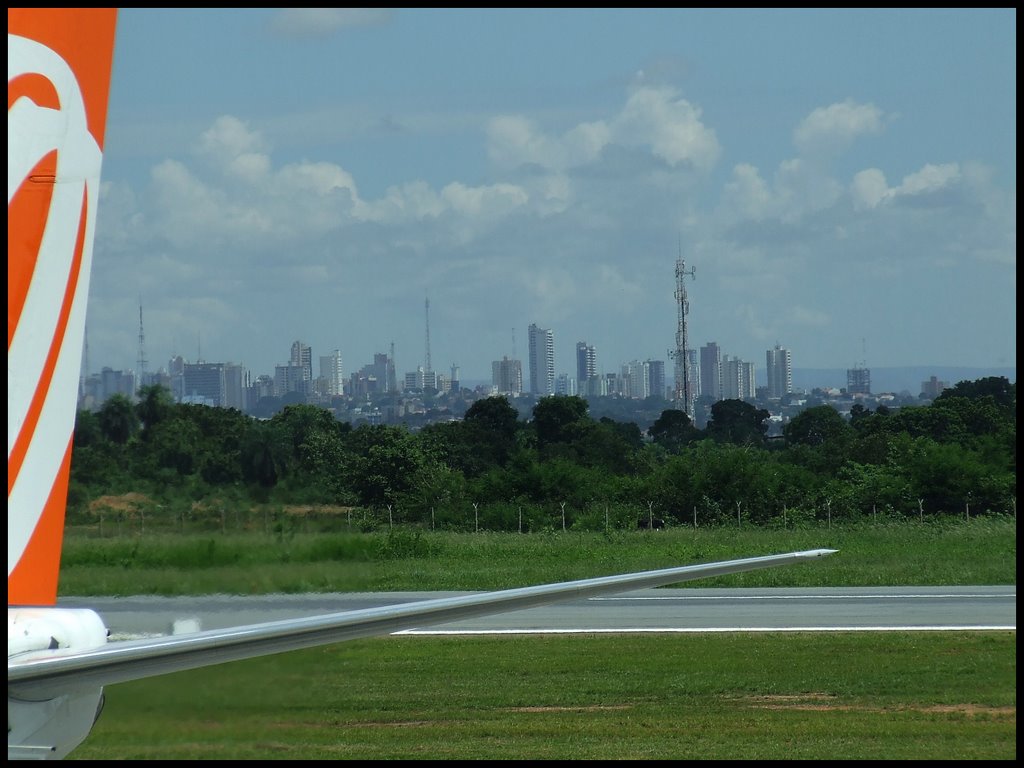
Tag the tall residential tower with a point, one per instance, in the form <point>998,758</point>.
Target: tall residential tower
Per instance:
<point>542,360</point>
<point>779,370</point>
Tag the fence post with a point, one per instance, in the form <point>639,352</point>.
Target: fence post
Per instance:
<point>563,515</point>
<point>739,520</point>
<point>476,517</point>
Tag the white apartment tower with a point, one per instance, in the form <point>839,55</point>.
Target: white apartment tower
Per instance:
<point>779,370</point>
<point>542,360</point>
<point>332,374</point>
<point>737,379</point>
<point>507,377</point>
<point>302,356</point>
<point>711,371</point>
<point>637,377</point>
<point>586,362</point>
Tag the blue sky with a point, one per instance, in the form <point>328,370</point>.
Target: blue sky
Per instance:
<point>842,181</point>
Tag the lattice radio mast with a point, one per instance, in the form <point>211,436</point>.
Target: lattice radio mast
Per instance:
<point>427,310</point>
<point>683,397</point>
<point>142,350</point>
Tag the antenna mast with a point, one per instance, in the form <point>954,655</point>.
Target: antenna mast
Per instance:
<point>683,390</point>
<point>427,310</point>
<point>142,350</point>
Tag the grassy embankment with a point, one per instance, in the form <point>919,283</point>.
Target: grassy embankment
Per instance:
<point>773,696</point>
<point>938,552</point>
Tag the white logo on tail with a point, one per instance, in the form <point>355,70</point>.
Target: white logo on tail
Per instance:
<point>32,133</point>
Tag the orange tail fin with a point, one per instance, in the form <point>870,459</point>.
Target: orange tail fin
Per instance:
<point>58,82</point>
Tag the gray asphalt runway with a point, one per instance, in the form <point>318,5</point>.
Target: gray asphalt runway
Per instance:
<point>653,610</point>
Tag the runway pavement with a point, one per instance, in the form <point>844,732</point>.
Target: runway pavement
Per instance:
<point>876,609</point>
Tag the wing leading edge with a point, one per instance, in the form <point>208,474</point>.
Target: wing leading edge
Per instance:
<point>122,661</point>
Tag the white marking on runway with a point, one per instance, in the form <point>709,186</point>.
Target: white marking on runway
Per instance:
<point>801,597</point>
<point>694,630</point>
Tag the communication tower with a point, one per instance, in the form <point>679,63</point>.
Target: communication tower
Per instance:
<point>427,366</point>
<point>142,352</point>
<point>683,389</point>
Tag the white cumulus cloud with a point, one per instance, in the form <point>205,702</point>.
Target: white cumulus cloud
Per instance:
<point>829,130</point>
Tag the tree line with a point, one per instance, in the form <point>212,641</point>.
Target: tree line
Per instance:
<point>954,456</point>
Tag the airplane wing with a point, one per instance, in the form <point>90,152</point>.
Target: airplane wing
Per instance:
<point>54,672</point>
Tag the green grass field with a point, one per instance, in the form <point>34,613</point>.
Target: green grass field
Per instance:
<point>815,696</point>
<point>937,552</point>
<point>745,696</point>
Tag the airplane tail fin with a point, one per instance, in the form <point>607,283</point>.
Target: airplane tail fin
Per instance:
<point>58,83</point>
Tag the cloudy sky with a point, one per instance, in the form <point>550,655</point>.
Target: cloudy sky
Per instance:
<point>843,183</point>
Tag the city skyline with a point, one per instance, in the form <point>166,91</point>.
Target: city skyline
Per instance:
<point>846,199</point>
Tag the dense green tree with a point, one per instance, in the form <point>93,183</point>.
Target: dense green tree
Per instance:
<point>383,463</point>
<point>875,489</point>
<point>998,388</point>
<point>87,429</point>
<point>816,427</point>
<point>494,415</point>
<point>118,420</point>
<point>300,425</point>
<point>738,422</point>
<point>485,438</point>
<point>559,419</point>
<point>155,405</point>
<point>673,430</point>
<point>177,444</point>
<point>946,477</point>
<point>265,453</point>
<point>609,445</point>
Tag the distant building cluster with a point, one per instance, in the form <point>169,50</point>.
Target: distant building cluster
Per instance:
<point>230,385</point>
<point>702,377</point>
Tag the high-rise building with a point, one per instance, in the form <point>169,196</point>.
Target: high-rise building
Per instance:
<point>656,377</point>
<point>204,384</point>
<point>738,382</point>
<point>234,387</point>
<point>711,371</point>
<point>507,377</point>
<point>779,370</point>
<point>933,387</point>
<point>421,379</point>
<point>693,373</point>
<point>542,360</point>
<point>302,356</point>
<point>586,362</point>
<point>858,381</point>
<point>565,385</point>
<point>290,378</point>
<point>332,374</point>
<point>637,379</point>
